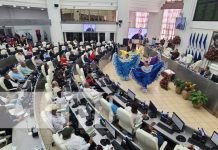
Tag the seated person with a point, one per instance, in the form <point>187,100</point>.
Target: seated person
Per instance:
<point>175,54</point>
<point>90,80</point>
<point>114,107</point>
<point>87,69</point>
<point>55,88</point>
<point>46,56</point>
<point>63,60</point>
<point>60,100</point>
<point>86,59</point>
<point>136,116</point>
<point>38,61</point>
<point>58,121</point>
<point>25,70</point>
<point>205,72</point>
<point>93,55</point>
<point>20,57</point>
<point>72,57</point>
<point>92,93</point>
<point>10,84</point>
<point>152,131</point>
<point>74,142</point>
<point>59,76</point>
<point>16,75</point>
<point>181,59</point>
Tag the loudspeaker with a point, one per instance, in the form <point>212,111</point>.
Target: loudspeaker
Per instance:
<point>56,5</point>
<point>125,41</point>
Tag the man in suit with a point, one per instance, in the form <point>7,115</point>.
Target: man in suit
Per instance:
<point>10,84</point>
<point>138,35</point>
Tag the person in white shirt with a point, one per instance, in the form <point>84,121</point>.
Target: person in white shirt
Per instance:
<point>136,116</point>
<point>74,142</point>
<point>24,69</point>
<point>55,88</point>
<point>9,83</point>
<point>61,101</point>
<point>58,121</point>
<point>91,93</point>
<point>20,57</point>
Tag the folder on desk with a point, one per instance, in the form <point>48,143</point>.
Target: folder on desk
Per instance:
<point>90,131</point>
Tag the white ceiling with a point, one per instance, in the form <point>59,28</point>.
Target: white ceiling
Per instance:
<point>146,5</point>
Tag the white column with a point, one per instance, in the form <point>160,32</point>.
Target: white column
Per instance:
<point>98,36</point>
<point>83,38</point>
<point>107,36</point>
<point>55,17</point>
<point>123,14</point>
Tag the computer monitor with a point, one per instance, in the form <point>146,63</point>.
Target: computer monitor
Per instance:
<point>89,108</point>
<point>214,138</point>
<point>178,122</point>
<point>131,94</point>
<point>152,108</point>
<point>110,129</point>
<point>214,78</point>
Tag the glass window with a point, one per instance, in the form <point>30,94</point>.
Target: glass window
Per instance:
<point>112,36</point>
<point>168,23</point>
<point>88,15</point>
<point>141,20</point>
<point>74,35</point>
<point>102,37</point>
<point>138,19</point>
<point>91,36</point>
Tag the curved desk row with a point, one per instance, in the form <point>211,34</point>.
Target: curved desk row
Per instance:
<point>187,133</point>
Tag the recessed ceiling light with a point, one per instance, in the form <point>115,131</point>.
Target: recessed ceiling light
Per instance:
<point>22,7</point>
<point>0,4</point>
<point>28,7</point>
<point>42,9</point>
<point>14,6</point>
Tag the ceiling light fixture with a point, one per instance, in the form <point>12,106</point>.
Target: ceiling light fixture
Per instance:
<point>42,9</point>
<point>28,6</point>
<point>22,7</point>
<point>0,4</point>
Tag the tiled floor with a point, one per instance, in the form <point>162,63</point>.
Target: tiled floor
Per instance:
<point>169,101</point>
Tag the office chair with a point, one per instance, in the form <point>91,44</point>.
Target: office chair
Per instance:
<point>44,44</point>
<point>19,68</point>
<point>106,110</point>
<point>195,66</point>
<point>10,74</point>
<point>188,60</point>
<point>58,58</point>
<point>214,68</point>
<point>2,84</point>
<point>125,121</point>
<point>67,55</point>
<point>12,50</point>
<point>50,65</point>
<point>147,141</point>
<point>43,70</point>
<point>63,48</point>
<point>59,142</point>
<point>33,61</point>
<point>56,50</point>
<point>51,73</point>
